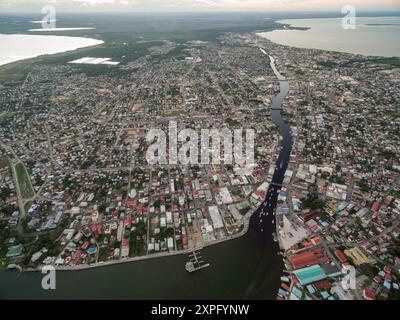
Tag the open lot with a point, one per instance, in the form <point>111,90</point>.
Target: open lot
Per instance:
<point>23,181</point>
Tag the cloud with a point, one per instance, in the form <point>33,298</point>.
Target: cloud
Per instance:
<point>99,2</point>
<point>180,5</point>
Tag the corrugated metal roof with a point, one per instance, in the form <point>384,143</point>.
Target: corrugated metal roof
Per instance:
<point>310,274</point>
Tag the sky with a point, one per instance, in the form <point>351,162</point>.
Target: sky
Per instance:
<point>198,5</point>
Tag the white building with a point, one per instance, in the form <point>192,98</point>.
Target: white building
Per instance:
<point>215,217</point>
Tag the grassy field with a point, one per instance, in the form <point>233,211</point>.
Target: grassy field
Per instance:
<point>3,163</point>
<point>175,113</point>
<point>23,181</point>
<point>394,61</point>
<point>391,61</point>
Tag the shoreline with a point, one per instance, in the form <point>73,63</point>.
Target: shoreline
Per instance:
<point>246,222</point>
<point>288,25</point>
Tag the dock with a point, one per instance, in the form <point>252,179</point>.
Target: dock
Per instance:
<point>195,262</point>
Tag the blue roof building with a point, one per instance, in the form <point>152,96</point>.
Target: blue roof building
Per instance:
<point>310,274</point>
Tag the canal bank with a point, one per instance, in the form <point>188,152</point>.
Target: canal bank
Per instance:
<point>245,268</point>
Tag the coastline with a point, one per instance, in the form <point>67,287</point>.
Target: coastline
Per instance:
<point>342,41</point>
<point>247,218</point>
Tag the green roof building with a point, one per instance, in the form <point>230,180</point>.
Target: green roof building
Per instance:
<point>310,274</point>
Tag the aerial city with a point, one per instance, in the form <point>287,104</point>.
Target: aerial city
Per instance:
<point>187,149</point>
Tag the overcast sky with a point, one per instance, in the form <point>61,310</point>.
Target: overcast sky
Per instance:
<point>198,5</point>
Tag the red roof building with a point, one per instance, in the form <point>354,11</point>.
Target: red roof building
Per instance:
<point>85,245</point>
<point>377,279</point>
<point>285,286</point>
<point>340,255</point>
<point>142,210</point>
<point>322,285</point>
<point>306,216</point>
<point>368,294</point>
<point>307,244</point>
<point>128,222</point>
<point>131,203</point>
<point>316,240</point>
<point>375,206</point>
<point>308,258</point>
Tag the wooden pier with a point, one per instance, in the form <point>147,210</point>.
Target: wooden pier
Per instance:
<point>195,262</point>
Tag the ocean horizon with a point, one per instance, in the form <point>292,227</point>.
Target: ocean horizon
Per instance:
<point>373,36</point>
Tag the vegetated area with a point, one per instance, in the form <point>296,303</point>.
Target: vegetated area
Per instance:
<point>23,181</point>
<point>126,37</point>
<point>393,62</point>
<point>3,163</point>
<point>313,202</point>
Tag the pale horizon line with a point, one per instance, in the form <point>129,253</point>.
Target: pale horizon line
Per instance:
<point>30,11</point>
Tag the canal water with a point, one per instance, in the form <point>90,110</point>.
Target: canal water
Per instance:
<point>244,268</point>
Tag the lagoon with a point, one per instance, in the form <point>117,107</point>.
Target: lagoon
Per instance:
<point>15,47</point>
